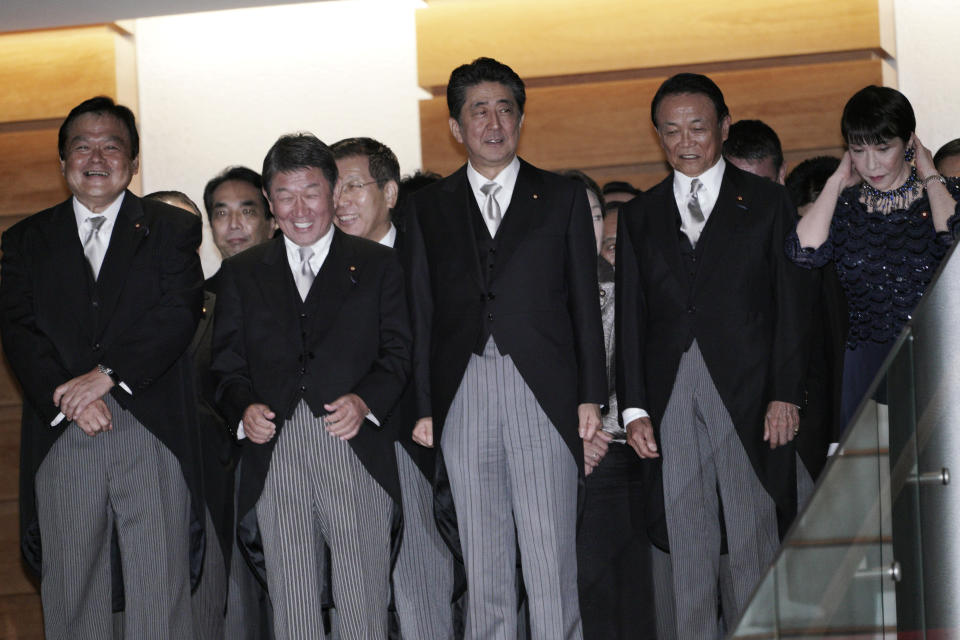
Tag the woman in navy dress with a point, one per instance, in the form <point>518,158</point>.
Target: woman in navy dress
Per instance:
<point>885,219</point>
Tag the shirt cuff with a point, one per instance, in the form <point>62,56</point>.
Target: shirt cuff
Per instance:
<point>57,420</point>
<point>241,434</point>
<point>633,413</point>
<point>123,385</point>
<point>372,418</point>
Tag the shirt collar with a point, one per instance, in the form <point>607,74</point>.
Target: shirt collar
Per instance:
<point>390,239</point>
<point>507,178</point>
<point>320,250</point>
<point>711,179</point>
<point>81,212</point>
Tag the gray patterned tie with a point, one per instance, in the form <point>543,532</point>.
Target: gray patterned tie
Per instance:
<point>491,208</point>
<point>94,246</point>
<point>693,204</point>
<point>306,275</point>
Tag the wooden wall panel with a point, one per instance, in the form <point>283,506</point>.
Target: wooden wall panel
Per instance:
<point>47,73</point>
<point>21,618</point>
<point>30,153</point>
<point>607,124</point>
<point>572,37</point>
<point>9,451</point>
<point>15,581</point>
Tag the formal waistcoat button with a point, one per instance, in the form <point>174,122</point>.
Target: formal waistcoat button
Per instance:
<point>490,316</point>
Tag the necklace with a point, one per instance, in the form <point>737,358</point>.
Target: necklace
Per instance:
<point>886,201</point>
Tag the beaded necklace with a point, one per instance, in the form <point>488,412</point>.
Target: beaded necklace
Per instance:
<point>896,199</point>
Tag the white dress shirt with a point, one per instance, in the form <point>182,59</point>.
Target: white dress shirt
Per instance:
<point>507,179</point>
<point>320,250</point>
<point>390,239</point>
<point>711,180</point>
<point>81,213</point>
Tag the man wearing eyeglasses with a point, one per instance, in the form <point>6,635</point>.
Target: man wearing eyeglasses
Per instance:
<point>423,574</point>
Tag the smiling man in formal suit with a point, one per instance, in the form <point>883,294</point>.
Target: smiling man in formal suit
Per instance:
<point>99,298</point>
<point>311,347</point>
<point>710,363</point>
<point>509,364</point>
<point>423,575</point>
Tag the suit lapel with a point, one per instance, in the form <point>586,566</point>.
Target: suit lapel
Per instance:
<point>726,211</point>
<point>664,221</point>
<point>459,196</point>
<point>525,207</point>
<point>67,265</point>
<point>339,274</point>
<point>131,227</point>
<point>278,289</point>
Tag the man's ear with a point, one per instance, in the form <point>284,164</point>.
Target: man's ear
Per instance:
<point>455,130</point>
<point>391,191</point>
<point>782,174</point>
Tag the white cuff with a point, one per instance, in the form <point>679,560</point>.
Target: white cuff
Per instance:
<point>633,413</point>
<point>241,434</point>
<point>58,419</point>
<point>372,418</point>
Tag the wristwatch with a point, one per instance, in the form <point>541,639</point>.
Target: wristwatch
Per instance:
<point>107,370</point>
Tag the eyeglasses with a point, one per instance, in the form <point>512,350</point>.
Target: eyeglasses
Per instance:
<point>355,187</point>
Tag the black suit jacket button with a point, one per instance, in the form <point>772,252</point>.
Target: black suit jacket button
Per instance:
<point>303,315</point>
<point>691,309</point>
<point>303,388</point>
<point>96,304</point>
<point>491,296</point>
<point>492,251</point>
<point>97,347</point>
<point>490,316</point>
<point>303,370</point>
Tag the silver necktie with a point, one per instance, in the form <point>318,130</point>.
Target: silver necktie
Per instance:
<point>306,275</point>
<point>94,246</point>
<point>491,208</point>
<point>693,204</point>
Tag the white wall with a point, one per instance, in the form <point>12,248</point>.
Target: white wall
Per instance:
<point>218,88</point>
<point>928,48</point>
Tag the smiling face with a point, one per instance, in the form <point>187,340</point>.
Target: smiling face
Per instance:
<point>97,163</point>
<point>689,132</point>
<point>238,219</point>
<point>489,127</point>
<point>363,207</point>
<point>882,166</point>
<point>302,202</point>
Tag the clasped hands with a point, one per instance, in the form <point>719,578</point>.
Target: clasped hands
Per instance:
<point>343,421</point>
<point>80,400</point>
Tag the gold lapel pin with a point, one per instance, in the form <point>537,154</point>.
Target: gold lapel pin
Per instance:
<point>739,198</point>
<point>352,268</point>
<point>535,196</point>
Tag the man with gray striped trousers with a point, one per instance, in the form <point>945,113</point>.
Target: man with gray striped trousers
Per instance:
<point>423,575</point>
<point>99,298</point>
<point>710,363</point>
<point>509,360</point>
<point>311,347</point>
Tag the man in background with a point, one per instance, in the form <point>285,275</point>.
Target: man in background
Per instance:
<point>754,147</point>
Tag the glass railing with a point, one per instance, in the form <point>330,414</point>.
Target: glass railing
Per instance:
<point>876,551</point>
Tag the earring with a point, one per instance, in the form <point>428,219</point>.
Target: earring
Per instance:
<point>908,154</point>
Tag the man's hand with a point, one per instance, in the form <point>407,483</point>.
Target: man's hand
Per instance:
<point>594,451</point>
<point>590,420</point>
<point>257,423</point>
<point>95,418</point>
<point>73,396</point>
<point>423,432</point>
<point>640,437</point>
<point>346,415</point>
<point>781,424</point>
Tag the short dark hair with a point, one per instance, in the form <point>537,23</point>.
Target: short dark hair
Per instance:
<point>877,114</point>
<point>753,140</point>
<point>235,173</point>
<point>101,105</point>
<point>619,186</point>
<point>806,180</point>
<point>408,186</point>
<point>948,150</point>
<point>589,183</point>
<point>690,83</point>
<point>299,151</point>
<point>174,198</point>
<point>478,71</point>
<point>384,166</point>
